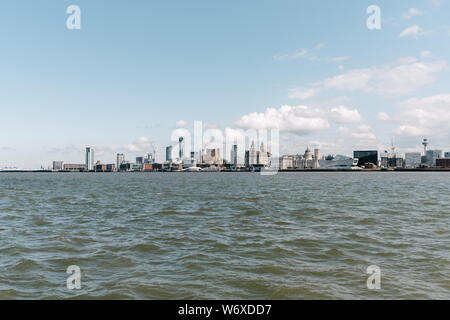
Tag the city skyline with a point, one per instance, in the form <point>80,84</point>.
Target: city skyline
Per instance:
<point>318,74</point>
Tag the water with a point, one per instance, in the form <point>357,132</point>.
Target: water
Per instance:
<point>225,235</point>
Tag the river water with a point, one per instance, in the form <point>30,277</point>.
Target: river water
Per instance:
<point>307,235</point>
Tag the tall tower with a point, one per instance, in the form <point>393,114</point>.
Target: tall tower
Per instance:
<point>120,160</point>
<point>316,159</point>
<point>425,144</point>
<point>181,148</point>
<point>89,159</point>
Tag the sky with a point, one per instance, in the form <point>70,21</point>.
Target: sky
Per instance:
<point>137,71</point>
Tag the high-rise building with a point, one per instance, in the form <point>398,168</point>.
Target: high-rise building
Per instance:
<point>169,153</point>
<point>412,159</point>
<point>89,159</point>
<point>432,155</point>
<point>366,156</point>
<point>252,155</point>
<point>234,155</point>
<point>57,165</point>
<point>120,160</point>
<point>181,148</point>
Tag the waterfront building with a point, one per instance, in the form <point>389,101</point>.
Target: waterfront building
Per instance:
<point>181,148</point>
<point>125,166</point>
<point>262,156</point>
<point>212,156</point>
<point>74,167</point>
<point>413,160</point>
<point>89,159</point>
<point>57,165</point>
<point>447,155</point>
<point>443,163</point>
<point>234,155</point>
<point>384,159</point>
<point>431,156</point>
<point>252,155</point>
<point>338,162</point>
<point>316,164</point>
<point>140,160</point>
<point>110,167</point>
<point>366,156</point>
<point>120,160</point>
<point>169,153</point>
<point>100,167</point>
<point>247,158</point>
<point>286,162</point>
<point>149,158</point>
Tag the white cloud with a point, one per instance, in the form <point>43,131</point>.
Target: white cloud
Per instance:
<point>342,114</point>
<point>332,59</point>
<point>360,133</point>
<point>410,131</point>
<point>426,116</point>
<point>142,144</point>
<point>426,54</point>
<point>400,79</point>
<point>181,124</point>
<point>407,60</point>
<point>296,55</point>
<point>414,31</point>
<point>298,119</point>
<point>413,12</point>
<point>303,93</point>
<point>383,116</point>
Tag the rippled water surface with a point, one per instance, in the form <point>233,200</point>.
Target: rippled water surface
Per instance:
<point>225,235</point>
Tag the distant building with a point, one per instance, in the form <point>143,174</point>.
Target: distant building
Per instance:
<point>169,153</point>
<point>366,156</point>
<point>413,160</point>
<point>234,155</point>
<point>125,166</point>
<point>316,164</point>
<point>89,158</point>
<point>74,167</point>
<point>140,160</point>
<point>110,167</point>
<point>181,148</point>
<point>447,155</point>
<point>252,155</point>
<point>286,162</point>
<point>443,163</point>
<point>431,156</point>
<point>100,167</point>
<point>149,158</point>
<point>120,160</point>
<point>262,156</point>
<point>212,156</point>
<point>57,165</point>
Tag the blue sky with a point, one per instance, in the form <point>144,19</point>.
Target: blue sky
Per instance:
<point>137,67</point>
